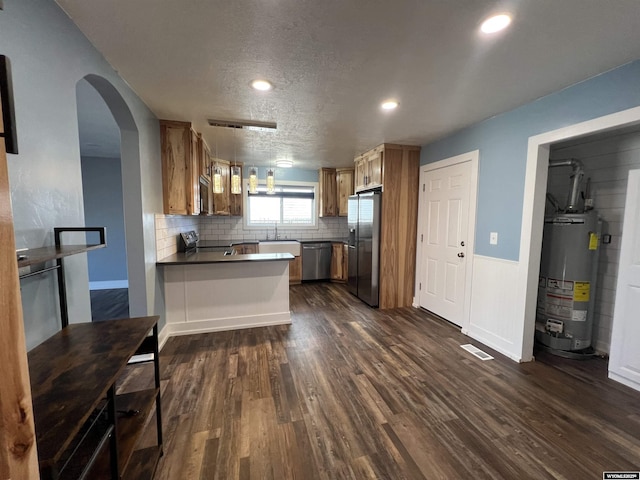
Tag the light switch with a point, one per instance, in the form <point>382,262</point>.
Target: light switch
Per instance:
<point>493,238</point>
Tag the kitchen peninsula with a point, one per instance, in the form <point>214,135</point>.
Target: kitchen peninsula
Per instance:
<point>211,291</point>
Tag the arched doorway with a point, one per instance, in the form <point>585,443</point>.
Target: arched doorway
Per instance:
<point>127,258</point>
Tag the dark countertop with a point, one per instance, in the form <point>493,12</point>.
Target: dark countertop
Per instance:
<point>222,243</point>
<point>324,240</point>
<point>219,257</point>
<point>231,243</point>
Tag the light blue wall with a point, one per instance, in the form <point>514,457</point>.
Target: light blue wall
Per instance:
<point>103,207</point>
<point>291,174</point>
<point>49,55</point>
<point>502,142</point>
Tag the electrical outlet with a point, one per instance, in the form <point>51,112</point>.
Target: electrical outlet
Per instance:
<point>493,238</point>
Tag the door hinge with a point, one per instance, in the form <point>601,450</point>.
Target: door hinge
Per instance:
<point>421,237</point>
<point>420,287</point>
<point>423,187</point>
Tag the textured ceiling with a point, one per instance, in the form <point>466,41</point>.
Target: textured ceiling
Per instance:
<point>333,61</point>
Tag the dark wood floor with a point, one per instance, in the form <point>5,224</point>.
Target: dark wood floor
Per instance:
<point>109,304</point>
<point>347,392</point>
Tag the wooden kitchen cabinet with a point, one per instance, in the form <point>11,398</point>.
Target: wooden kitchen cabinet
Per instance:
<point>206,192</point>
<point>368,169</point>
<point>180,168</point>
<point>295,270</point>
<point>246,248</point>
<point>344,181</point>
<point>204,158</point>
<point>396,170</point>
<point>328,192</point>
<point>222,201</point>
<point>339,262</point>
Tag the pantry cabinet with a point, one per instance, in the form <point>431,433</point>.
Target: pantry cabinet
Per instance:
<point>396,170</point>
<point>180,168</point>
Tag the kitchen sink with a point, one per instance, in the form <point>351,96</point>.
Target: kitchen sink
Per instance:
<point>280,246</point>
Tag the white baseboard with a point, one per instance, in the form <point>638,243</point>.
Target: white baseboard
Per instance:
<point>624,381</point>
<point>487,341</point>
<point>108,284</point>
<point>163,336</point>
<point>223,324</point>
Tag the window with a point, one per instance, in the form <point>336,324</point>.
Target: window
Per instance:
<point>291,205</point>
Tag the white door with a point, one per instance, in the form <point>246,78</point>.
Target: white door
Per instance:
<point>624,359</point>
<point>445,206</point>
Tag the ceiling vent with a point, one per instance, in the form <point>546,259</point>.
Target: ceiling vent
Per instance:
<point>244,124</point>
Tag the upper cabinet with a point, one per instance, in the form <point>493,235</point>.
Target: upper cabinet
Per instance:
<point>204,158</point>
<point>221,201</point>
<point>188,174</point>
<point>180,168</point>
<point>336,185</point>
<point>368,169</point>
<point>328,192</point>
<point>206,193</point>
<point>344,180</point>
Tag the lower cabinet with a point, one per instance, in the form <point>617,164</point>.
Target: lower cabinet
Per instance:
<point>339,262</point>
<point>246,248</point>
<point>85,427</point>
<point>295,270</point>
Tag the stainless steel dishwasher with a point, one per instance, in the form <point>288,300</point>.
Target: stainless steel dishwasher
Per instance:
<point>316,261</point>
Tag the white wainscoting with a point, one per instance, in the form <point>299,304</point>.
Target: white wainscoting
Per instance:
<point>225,296</point>
<point>494,318</point>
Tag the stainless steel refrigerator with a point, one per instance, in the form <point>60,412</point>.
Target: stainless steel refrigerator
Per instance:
<point>364,246</point>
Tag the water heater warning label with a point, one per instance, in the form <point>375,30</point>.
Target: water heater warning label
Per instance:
<point>581,291</point>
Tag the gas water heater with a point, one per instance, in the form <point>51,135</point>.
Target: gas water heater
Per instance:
<point>568,272</point>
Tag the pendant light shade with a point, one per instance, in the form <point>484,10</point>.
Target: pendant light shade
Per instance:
<point>253,180</point>
<point>236,187</point>
<point>271,182</point>
<point>217,180</point>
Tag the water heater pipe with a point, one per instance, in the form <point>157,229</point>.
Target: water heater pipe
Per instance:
<point>576,177</point>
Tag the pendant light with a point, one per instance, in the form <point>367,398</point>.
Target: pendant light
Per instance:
<point>236,187</point>
<point>253,180</point>
<point>217,180</point>
<point>271,179</point>
<point>271,182</point>
<point>218,187</point>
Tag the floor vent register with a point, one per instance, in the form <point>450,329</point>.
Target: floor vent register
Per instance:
<point>477,352</point>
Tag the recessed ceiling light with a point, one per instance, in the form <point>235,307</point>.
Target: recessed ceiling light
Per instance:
<point>496,23</point>
<point>389,105</point>
<point>262,85</point>
<point>284,163</point>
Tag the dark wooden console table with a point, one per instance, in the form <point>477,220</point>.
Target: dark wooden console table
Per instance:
<point>76,410</point>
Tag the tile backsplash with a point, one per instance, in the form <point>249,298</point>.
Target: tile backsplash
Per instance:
<point>168,227</point>
<point>232,228</point>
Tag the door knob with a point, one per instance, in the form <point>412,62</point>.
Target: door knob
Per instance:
<point>461,255</point>
<point>462,243</point>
